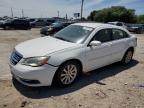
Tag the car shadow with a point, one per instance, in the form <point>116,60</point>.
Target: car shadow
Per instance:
<point>86,79</point>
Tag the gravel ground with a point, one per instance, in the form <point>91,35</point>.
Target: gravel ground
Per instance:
<point>8,39</point>
<point>113,86</point>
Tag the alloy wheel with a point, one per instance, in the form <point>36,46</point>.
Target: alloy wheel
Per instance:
<point>68,74</point>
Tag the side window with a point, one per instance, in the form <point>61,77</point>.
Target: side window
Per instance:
<point>103,35</point>
<point>125,34</point>
<point>16,21</point>
<point>118,34</point>
<point>39,20</point>
<point>119,24</point>
<point>24,22</point>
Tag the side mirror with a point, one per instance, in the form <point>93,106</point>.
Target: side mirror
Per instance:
<point>95,43</point>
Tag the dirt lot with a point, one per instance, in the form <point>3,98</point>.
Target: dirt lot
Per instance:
<point>113,86</point>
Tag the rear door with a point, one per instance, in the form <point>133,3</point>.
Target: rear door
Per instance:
<point>40,23</point>
<point>17,24</point>
<point>119,44</point>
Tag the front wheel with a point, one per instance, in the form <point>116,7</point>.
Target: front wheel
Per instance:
<point>67,74</point>
<point>6,27</point>
<point>127,57</point>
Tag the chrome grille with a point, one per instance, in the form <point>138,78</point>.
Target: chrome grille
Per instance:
<point>15,57</point>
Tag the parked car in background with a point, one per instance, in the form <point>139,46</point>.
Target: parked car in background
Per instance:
<point>16,24</point>
<point>31,20</point>
<point>121,24</point>
<point>39,23</point>
<point>80,47</point>
<point>142,28</point>
<point>135,28</point>
<point>54,27</point>
<point>2,22</point>
<point>51,20</point>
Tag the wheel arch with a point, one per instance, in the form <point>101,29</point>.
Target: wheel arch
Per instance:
<point>72,59</point>
<point>131,48</point>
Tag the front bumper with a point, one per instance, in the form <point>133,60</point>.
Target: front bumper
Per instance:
<point>33,76</point>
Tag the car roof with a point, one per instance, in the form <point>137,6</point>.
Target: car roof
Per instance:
<point>115,22</point>
<point>19,20</point>
<point>96,25</point>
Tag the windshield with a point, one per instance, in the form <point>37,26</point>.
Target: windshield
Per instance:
<point>74,33</point>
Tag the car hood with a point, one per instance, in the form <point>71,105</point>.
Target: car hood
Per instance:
<point>43,46</point>
<point>46,28</point>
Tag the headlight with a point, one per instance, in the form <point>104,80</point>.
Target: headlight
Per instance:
<point>35,61</point>
<point>50,29</point>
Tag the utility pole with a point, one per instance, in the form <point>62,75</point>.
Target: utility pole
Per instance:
<point>22,13</point>
<point>82,9</point>
<point>58,13</point>
<point>11,12</point>
<point>66,17</point>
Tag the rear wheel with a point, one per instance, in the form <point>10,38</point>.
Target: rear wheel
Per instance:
<point>67,74</point>
<point>127,57</point>
<point>6,27</point>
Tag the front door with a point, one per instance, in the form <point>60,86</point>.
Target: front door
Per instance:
<point>98,56</point>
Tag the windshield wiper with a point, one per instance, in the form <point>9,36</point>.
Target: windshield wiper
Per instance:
<point>62,39</point>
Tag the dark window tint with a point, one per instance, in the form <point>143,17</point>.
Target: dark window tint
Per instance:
<point>51,21</point>
<point>119,24</point>
<point>20,22</point>
<point>118,34</point>
<point>31,20</point>
<point>40,20</point>
<point>16,21</point>
<point>103,35</point>
<point>66,24</point>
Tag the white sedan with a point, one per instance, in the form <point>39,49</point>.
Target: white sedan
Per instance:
<point>80,47</point>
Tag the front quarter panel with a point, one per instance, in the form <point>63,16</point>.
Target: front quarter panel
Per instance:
<point>57,58</point>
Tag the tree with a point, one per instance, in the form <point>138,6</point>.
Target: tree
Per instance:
<point>140,19</point>
<point>114,13</point>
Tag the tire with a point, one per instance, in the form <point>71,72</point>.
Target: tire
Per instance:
<point>127,57</point>
<point>46,33</point>
<point>63,77</point>
<point>6,27</point>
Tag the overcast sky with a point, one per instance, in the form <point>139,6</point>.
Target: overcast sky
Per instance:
<point>49,8</point>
